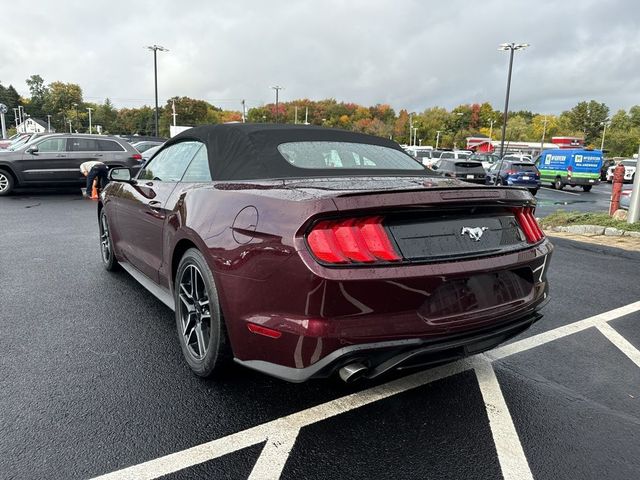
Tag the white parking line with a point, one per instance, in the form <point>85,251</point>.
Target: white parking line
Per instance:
<point>622,343</point>
<point>511,457</point>
<point>291,424</point>
<point>274,455</point>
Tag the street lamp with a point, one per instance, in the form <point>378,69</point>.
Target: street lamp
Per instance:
<point>277,88</point>
<point>75,107</point>
<point>89,109</point>
<point>512,47</point>
<point>438,132</point>
<point>155,49</point>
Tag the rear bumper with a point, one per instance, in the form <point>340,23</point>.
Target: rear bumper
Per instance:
<point>381,357</point>
<point>420,315</point>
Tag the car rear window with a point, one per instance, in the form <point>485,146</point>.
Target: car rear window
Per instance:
<point>463,156</point>
<point>345,155</point>
<point>469,167</point>
<point>523,167</point>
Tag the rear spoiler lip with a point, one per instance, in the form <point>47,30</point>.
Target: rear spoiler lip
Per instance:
<point>434,196</point>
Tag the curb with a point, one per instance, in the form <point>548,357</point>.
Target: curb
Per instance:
<point>596,248</point>
<point>594,230</point>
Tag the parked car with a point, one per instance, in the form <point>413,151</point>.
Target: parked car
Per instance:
<point>55,159</point>
<point>515,174</point>
<point>6,143</point>
<point>465,170</point>
<point>574,167</point>
<point>392,266</point>
<point>487,159</point>
<point>629,170</point>
<point>422,154</point>
<point>625,199</point>
<point>455,154</point>
<point>145,145</point>
<point>518,157</point>
<point>606,163</point>
<point>147,154</point>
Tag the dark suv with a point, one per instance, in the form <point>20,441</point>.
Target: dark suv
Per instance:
<point>54,160</point>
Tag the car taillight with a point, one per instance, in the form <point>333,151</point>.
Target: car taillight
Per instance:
<point>136,156</point>
<point>359,240</point>
<point>529,224</point>
<point>511,172</point>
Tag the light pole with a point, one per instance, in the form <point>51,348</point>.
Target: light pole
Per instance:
<point>603,134</point>
<point>70,126</point>
<point>410,127</point>
<point>155,49</point>
<point>75,107</point>
<point>48,123</point>
<point>90,126</point>
<point>277,88</point>
<point>437,138</point>
<point>512,47</point>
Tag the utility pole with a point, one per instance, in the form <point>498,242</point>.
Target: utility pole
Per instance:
<point>70,131</point>
<point>155,49</point>
<point>603,134</point>
<point>491,129</point>
<point>15,118</point>
<point>277,88</point>
<point>244,111</point>
<point>544,132</point>
<point>306,116</point>
<point>437,138</point>
<point>295,119</point>
<point>90,126</point>
<point>410,128</point>
<point>173,111</point>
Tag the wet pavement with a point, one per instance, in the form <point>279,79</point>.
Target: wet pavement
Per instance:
<point>93,381</point>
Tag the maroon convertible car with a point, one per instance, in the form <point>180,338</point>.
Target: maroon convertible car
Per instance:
<point>302,251</point>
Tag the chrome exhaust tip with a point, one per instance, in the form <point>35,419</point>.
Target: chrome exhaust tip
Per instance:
<point>352,372</point>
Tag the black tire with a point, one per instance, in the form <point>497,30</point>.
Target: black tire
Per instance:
<point>558,185</point>
<point>209,353</point>
<point>6,183</point>
<point>533,191</point>
<point>106,245</point>
<point>587,188</point>
<point>499,181</point>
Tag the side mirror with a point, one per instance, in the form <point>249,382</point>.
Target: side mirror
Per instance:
<point>120,175</point>
<point>32,150</point>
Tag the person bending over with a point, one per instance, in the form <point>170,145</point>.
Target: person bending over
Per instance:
<point>95,170</point>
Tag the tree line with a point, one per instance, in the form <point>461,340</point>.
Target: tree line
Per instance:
<point>69,111</point>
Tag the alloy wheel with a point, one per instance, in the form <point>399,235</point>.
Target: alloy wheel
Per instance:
<point>195,314</point>
<point>4,183</point>
<point>105,240</point>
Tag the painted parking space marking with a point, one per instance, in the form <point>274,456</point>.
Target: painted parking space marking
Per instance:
<point>280,434</point>
<point>620,342</point>
<point>513,461</point>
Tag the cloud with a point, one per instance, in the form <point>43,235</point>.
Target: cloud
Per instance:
<point>410,54</point>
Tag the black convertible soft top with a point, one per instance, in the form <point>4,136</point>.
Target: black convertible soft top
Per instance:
<point>249,151</point>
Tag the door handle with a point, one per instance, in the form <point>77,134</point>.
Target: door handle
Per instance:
<point>97,155</point>
<point>155,204</point>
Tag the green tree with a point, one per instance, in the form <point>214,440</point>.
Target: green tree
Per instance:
<point>39,93</point>
<point>589,118</point>
<point>59,103</point>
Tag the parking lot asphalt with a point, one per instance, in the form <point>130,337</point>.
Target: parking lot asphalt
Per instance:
<point>573,199</point>
<point>92,381</point>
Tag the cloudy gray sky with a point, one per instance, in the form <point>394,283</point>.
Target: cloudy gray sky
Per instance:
<point>408,53</point>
